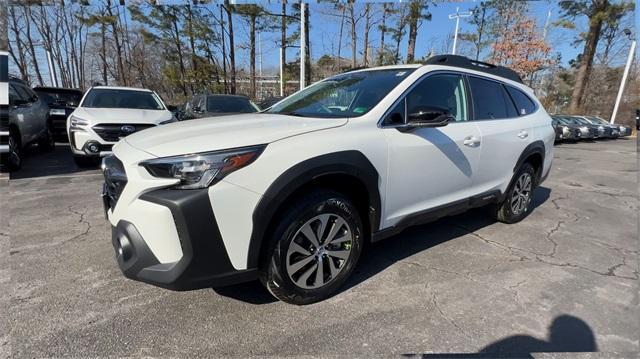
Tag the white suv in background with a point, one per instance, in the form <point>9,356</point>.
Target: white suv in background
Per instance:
<point>290,195</point>
<point>107,114</point>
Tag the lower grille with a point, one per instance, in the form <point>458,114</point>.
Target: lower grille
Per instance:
<point>114,132</point>
<point>115,179</point>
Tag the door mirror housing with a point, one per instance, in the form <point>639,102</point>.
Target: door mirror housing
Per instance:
<point>427,116</point>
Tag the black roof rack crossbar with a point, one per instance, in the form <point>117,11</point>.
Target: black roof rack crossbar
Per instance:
<point>461,61</point>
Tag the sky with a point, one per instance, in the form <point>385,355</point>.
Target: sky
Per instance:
<point>432,34</point>
<point>435,35</point>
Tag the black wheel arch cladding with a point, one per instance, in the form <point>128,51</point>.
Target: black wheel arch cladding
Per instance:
<point>535,148</point>
<point>350,163</point>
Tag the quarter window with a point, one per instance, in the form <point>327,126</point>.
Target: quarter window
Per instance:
<point>490,100</point>
<point>523,102</point>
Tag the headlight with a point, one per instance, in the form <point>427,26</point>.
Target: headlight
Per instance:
<point>173,119</point>
<point>201,170</point>
<point>77,122</point>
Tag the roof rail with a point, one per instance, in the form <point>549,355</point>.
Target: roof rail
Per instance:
<point>464,62</point>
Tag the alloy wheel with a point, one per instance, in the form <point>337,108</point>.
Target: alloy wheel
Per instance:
<point>521,195</point>
<point>319,251</point>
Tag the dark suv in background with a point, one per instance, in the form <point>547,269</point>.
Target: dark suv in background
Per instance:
<point>61,102</point>
<point>28,125</point>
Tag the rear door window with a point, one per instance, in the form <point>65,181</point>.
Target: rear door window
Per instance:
<point>523,102</point>
<point>490,100</point>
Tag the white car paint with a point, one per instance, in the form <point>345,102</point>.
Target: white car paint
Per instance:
<point>94,116</point>
<point>420,170</point>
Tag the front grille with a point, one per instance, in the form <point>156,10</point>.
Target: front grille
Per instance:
<point>115,179</point>
<point>114,132</point>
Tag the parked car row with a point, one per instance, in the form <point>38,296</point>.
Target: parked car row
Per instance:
<point>575,128</point>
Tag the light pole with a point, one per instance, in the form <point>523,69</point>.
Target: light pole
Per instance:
<point>624,75</point>
<point>457,16</point>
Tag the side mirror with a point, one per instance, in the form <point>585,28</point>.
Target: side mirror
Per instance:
<point>427,116</point>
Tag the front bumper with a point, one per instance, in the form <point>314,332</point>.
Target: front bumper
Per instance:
<point>204,263</point>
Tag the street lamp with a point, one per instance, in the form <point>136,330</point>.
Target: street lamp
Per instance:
<point>457,16</point>
<point>624,75</point>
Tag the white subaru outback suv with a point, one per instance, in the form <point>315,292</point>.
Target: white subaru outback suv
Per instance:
<point>291,195</point>
<point>106,114</point>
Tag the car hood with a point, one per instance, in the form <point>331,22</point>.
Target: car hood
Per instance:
<point>211,134</point>
<point>122,115</point>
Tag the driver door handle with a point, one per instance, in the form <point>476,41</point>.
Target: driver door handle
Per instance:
<point>471,141</point>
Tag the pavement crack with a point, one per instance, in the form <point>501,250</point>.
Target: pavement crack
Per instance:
<point>446,317</point>
<point>81,220</point>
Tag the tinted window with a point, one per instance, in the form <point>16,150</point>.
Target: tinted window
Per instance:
<point>23,92</point>
<point>524,104</point>
<point>346,95</point>
<point>113,98</point>
<point>4,68</point>
<point>60,96</point>
<point>439,92</point>
<point>490,100</point>
<point>226,104</point>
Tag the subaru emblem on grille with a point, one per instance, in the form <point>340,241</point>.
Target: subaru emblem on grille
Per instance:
<point>128,129</point>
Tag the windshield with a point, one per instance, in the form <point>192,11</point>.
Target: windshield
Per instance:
<point>228,104</point>
<point>345,95</point>
<point>70,97</point>
<point>114,98</point>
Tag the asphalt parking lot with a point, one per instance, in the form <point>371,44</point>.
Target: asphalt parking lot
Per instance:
<point>564,279</point>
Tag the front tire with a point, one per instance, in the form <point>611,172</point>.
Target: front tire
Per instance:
<point>516,205</point>
<point>313,249</point>
<point>12,160</point>
<point>48,142</point>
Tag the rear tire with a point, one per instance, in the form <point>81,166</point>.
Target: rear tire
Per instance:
<point>300,268</point>
<point>516,205</point>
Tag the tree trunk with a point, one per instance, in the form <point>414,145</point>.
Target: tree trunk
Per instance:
<point>103,34</point>
<point>366,35</point>
<point>354,37</point>
<point>415,10</point>
<point>383,30</point>
<point>586,61</point>
<point>32,50</point>
<point>232,57</point>
<point>307,60</point>
<point>121,78</point>
<point>192,44</point>
<point>224,52</point>
<point>252,56</point>
<point>338,59</point>
<point>480,32</point>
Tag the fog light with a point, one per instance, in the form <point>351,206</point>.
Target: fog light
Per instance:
<point>125,250</point>
<point>92,147</point>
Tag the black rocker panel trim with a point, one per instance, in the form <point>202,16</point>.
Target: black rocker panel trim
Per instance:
<point>352,163</point>
<point>205,261</point>
<point>436,213</point>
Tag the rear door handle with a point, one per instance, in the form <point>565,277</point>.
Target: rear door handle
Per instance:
<point>523,134</point>
<point>471,141</point>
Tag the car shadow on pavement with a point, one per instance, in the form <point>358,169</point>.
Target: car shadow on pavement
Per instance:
<point>379,256</point>
<point>55,163</point>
